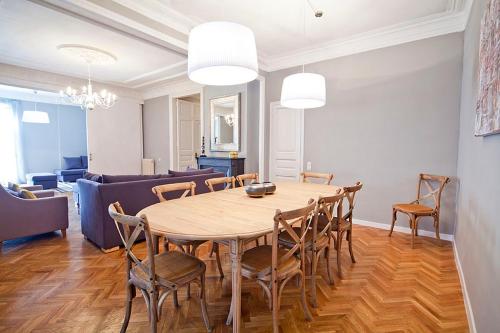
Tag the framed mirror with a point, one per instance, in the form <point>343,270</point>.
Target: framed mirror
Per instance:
<point>225,123</point>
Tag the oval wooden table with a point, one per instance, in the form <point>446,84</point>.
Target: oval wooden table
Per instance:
<point>230,215</point>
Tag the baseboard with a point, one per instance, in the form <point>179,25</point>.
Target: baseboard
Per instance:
<point>405,230</point>
<point>468,306</point>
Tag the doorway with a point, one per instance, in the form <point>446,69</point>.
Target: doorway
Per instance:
<point>188,131</point>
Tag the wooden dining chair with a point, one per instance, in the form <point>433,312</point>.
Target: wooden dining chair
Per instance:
<point>342,225</point>
<point>212,183</point>
<point>307,176</point>
<point>157,275</point>
<point>434,186</point>
<point>189,188</point>
<point>318,238</point>
<point>273,266</point>
<point>253,177</point>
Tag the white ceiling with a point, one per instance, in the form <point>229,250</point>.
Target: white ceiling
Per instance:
<point>149,37</point>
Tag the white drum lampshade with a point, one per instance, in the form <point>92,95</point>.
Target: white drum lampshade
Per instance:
<point>303,91</point>
<point>222,54</point>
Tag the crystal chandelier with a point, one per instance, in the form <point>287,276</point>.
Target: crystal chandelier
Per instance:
<point>87,98</point>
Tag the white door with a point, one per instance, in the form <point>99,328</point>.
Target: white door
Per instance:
<point>188,133</point>
<point>286,142</point>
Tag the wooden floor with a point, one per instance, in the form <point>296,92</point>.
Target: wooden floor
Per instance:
<point>50,284</point>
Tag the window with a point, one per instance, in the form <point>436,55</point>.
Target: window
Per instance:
<point>8,130</point>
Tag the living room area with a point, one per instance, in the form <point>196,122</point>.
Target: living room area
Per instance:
<point>267,166</point>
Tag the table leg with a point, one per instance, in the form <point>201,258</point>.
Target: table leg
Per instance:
<point>236,246</point>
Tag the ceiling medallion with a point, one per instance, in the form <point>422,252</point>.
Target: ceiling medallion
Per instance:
<point>87,99</point>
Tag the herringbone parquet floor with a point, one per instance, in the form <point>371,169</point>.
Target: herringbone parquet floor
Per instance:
<point>50,284</point>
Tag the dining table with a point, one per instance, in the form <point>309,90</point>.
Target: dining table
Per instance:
<point>230,215</point>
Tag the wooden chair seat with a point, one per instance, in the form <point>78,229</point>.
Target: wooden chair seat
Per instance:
<point>257,263</point>
<point>413,208</point>
<point>172,268</point>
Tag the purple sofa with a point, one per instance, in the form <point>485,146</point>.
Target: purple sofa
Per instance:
<point>22,217</point>
<point>133,195</point>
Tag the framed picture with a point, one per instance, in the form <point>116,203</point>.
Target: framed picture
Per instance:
<point>488,98</point>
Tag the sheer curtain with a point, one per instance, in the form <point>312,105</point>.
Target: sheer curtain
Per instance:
<point>10,149</point>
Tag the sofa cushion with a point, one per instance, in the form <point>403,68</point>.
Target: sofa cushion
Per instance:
<point>25,194</point>
<point>70,172</point>
<point>72,162</point>
<point>191,172</point>
<point>41,176</point>
<point>85,162</point>
<point>108,179</point>
<point>93,177</point>
<point>12,192</point>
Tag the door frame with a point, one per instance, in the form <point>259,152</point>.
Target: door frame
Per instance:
<point>172,101</point>
<point>272,107</point>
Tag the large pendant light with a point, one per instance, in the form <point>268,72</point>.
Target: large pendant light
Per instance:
<point>303,90</point>
<point>222,54</point>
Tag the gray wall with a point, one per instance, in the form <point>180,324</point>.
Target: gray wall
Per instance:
<point>44,145</point>
<point>390,114</point>
<point>253,103</point>
<point>156,132</point>
<point>477,235</point>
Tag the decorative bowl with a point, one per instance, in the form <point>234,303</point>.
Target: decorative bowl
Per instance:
<point>255,190</point>
<point>270,187</point>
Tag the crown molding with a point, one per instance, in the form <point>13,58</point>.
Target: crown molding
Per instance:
<point>171,88</point>
<point>454,20</point>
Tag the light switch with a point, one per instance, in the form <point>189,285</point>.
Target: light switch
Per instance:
<point>308,167</point>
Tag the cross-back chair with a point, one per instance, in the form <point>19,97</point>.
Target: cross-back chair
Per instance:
<point>247,177</point>
<point>189,188</point>
<point>416,209</point>
<point>156,276</point>
<point>318,238</point>
<point>228,182</point>
<point>272,266</point>
<point>307,176</point>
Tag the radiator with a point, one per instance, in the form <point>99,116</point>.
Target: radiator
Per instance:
<point>148,166</point>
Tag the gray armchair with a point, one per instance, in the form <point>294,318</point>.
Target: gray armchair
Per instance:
<point>21,217</point>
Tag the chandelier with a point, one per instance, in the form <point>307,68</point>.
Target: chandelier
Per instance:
<point>87,98</point>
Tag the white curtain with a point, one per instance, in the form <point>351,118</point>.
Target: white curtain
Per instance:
<point>11,164</point>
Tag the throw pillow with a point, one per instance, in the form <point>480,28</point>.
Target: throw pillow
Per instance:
<point>25,194</point>
<point>72,163</point>
<point>191,172</point>
<point>11,192</point>
<point>14,187</point>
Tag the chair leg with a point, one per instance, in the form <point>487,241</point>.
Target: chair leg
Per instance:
<point>314,266</point>
<point>63,233</point>
<point>257,242</point>
<point>217,257</point>
<point>328,266</point>
<point>212,249</point>
<point>275,304</point>
<point>394,213</point>
<point>176,299</point>
<point>436,225</point>
<point>413,228</point>
<point>203,303</point>
<point>128,307</point>
<point>307,313</point>
<point>153,310</point>
<point>166,245</point>
<point>349,239</point>
<point>339,254</point>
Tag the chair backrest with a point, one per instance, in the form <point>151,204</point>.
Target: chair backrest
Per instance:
<point>432,192</point>
<point>327,206</point>
<point>307,176</point>
<point>247,176</point>
<point>286,220</point>
<point>350,195</point>
<point>229,182</point>
<point>140,224</point>
<point>187,187</point>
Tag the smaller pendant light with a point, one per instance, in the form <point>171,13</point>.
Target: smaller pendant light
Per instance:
<point>303,90</point>
<point>222,54</point>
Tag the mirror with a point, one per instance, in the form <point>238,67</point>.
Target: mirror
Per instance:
<point>225,123</point>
